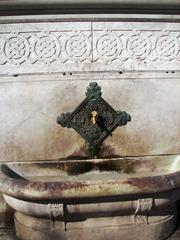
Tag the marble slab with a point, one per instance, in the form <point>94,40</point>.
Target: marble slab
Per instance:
<point>89,46</point>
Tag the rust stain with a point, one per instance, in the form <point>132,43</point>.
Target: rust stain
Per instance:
<point>150,165</point>
<point>53,188</point>
<point>149,184</point>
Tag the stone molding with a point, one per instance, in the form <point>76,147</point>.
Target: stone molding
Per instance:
<point>103,46</point>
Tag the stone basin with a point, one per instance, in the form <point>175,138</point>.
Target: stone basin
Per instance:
<point>64,179</point>
<point>87,194</point>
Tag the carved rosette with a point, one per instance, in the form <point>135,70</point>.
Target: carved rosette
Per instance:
<point>109,46</point>
<point>167,47</point>
<point>47,47</point>
<point>16,49</point>
<point>78,46</point>
<point>139,46</point>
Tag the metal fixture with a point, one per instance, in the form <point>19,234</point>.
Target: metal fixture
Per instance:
<point>94,119</point>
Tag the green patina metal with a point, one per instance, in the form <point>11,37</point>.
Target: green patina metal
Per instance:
<point>94,119</point>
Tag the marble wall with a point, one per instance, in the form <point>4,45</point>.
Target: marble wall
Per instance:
<point>29,108</point>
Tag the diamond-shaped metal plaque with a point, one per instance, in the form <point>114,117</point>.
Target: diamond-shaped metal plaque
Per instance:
<point>94,132</point>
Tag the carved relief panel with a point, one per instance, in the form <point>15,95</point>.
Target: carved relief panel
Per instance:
<point>59,47</point>
<point>136,46</point>
<point>51,47</point>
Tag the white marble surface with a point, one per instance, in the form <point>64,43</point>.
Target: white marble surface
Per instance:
<point>28,129</point>
<point>89,46</point>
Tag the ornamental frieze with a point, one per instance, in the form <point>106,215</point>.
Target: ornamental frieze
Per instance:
<point>91,49</point>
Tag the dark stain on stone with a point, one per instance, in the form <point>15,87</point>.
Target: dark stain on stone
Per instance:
<point>108,151</point>
<point>79,153</point>
<point>130,143</point>
<point>149,184</point>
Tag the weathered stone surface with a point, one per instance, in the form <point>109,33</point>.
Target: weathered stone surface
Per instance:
<point>153,228</point>
<point>29,108</point>
<point>9,234</point>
